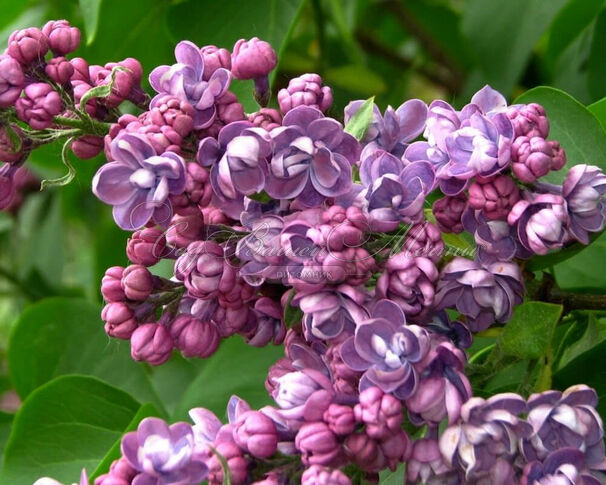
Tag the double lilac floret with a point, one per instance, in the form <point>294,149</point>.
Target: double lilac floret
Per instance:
<point>139,181</point>
<point>312,158</point>
<point>385,348</point>
<point>185,80</point>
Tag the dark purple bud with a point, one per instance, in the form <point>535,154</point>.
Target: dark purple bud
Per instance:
<point>119,320</point>
<point>252,59</point>
<point>214,58</point>
<point>27,45</point>
<point>62,37</point>
<point>318,444</point>
<point>305,90</point>
<point>319,475</point>
<point>340,419</point>
<point>564,466</point>
<point>197,185</point>
<point>494,196</point>
<point>137,282</point>
<point>528,120</point>
<point>380,413</point>
<point>532,158</point>
<point>11,81</point>
<point>8,150</point>
<point>146,246</point>
<point>40,104</point>
<point>426,464</point>
<point>185,227</point>
<point>151,343</point>
<point>409,282</point>
<point>193,337</point>
<point>448,212</point>
<point>88,146</point>
<point>256,433</point>
<point>267,325</point>
<point>111,284</point>
<point>267,118</point>
<point>236,464</point>
<point>229,109</point>
<point>364,451</point>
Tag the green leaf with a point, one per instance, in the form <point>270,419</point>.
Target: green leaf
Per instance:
<point>64,426</point>
<point>236,368</point>
<point>145,411</point>
<point>594,334</point>
<point>223,25</point>
<point>529,332</point>
<point>359,122</point>
<point>588,368</point>
<point>6,424</point>
<point>292,314</point>
<point>599,111</point>
<point>585,270</point>
<point>573,125</point>
<point>388,477</point>
<point>596,67</point>
<point>568,25</point>
<point>503,35</point>
<point>538,263</point>
<point>59,336</point>
<point>90,13</point>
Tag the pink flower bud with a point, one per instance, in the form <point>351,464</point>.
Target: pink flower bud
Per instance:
<point>425,240</point>
<point>340,419</point>
<point>236,463</point>
<point>558,160</point>
<point>111,284</point>
<point>151,343</point>
<point>256,433</point>
<point>532,158</point>
<point>252,59</point>
<point>318,475</point>
<point>214,58</point>
<point>364,452</point>
<point>380,412</point>
<point>59,69</point>
<point>494,196</point>
<point>193,337</point>
<point>146,246</point>
<point>305,90</point>
<point>62,37</point>
<point>27,45</point>
<point>528,120</point>
<point>87,147</point>
<point>185,228</point>
<point>137,282</point>
<point>80,70</point>
<point>317,444</point>
<point>119,320</point>
<point>11,81</point>
<point>229,109</point>
<point>40,104</point>
<point>197,184</point>
<point>267,118</point>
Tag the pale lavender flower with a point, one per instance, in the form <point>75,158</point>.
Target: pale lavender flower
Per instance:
<point>138,182</point>
<point>386,349</point>
<point>162,454</point>
<point>564,466</point>
<point>312,158</point>
<point>185,80</point>
<point>495,240</point>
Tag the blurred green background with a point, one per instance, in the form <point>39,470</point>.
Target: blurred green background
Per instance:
<point>60,241</point>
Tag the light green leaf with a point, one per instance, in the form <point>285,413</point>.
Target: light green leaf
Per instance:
<point>599,111</point>
<point>292,314</point>
<point>573,125</point>
<point>59,336</point>
<point>586,270</point>
<point>64,426</point>
<point>529,332</point>
<point>359,122</point>
<point>90,14</point>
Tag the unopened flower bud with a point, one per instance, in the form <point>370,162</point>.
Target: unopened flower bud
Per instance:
<point>380,412</point>
<point>319,475</point>
<point>340,419</point>
<point>62,37</point>
<point>256,433</point>
<point>119,320</point>
<point>448,212</point>
<point>111,284</point>
<point>306,90</point>
<point>11,81</point>
<point>27,45</point>
<point>137,282</point>
<point>317,444</point>
<point>151,343</point>
<point>40,104</point>
<point>193,337</point>
<point>146,246</point>
<point>494,196</point>
<point>87,146</point>
<point>214,58</point>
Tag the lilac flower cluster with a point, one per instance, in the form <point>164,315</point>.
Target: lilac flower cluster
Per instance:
<point>284,228</point>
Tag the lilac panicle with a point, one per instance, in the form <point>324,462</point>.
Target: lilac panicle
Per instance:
<point>385,348</point>
<point>138,182</point>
